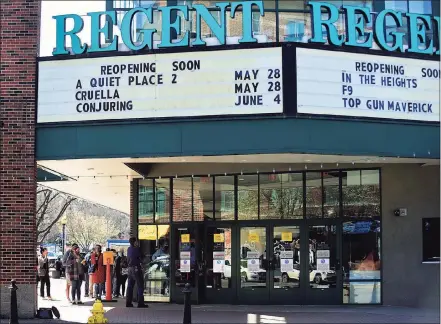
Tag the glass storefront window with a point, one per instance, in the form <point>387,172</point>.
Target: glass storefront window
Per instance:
<point>248,197</point>
<point>362,292</point>
<point>264,27</point>
<point>154,242</point>
<point>146,201</point>
<point>281,196</point>
<point>361,193</point>
<point>314,195</point>
<point>286,257</point>
<point>182,200</point>
<point>202,198</point>
<point>162,206</point>
<point>218,258</point>
<point>331,194</point>
<point>252,257</point>
<point>224,198</point>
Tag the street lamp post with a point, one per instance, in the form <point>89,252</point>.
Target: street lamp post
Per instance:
<point>63,223</point>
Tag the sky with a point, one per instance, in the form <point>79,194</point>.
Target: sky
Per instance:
<point>51,8</point>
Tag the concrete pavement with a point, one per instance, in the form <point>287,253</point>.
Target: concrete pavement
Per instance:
<point>219,314</point>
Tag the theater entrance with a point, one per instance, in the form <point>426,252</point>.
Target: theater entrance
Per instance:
<point>257,263</point>
<point>276,267</point>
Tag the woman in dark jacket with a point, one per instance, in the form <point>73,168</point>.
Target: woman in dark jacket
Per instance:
<point>43,273</point>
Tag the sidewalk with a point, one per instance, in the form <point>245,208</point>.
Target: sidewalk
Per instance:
<point>219,314</point>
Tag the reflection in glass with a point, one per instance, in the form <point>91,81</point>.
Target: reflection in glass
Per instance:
<point>361,193</point>
<point>224,198</point>
<point>162,206</point>
<point>218,257</point>
<point>182,200</point>
<point>145,201</point>
<point>361,250</point>
<point>314,197</point>
<point>202,198</point>
<point>264,27</point>
<point>331,194</point>
<point>248,197</point>
<point>185,264</point>
<point>322,256</point>
<point>286,257</point>
<point>281,196</point>
<point>362,292</point>
<point>252,257</point>
<point>156,263</point>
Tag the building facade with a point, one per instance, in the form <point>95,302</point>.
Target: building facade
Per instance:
<point>280,172</point>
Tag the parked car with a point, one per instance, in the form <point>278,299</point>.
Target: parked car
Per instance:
<point>315,276</point>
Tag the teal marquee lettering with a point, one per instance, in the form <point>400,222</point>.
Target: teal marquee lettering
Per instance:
<point>247,18</point>
<point>355,27</point>
<point>317,23</point>
<point>380,36</point>
<point>97,30</point>
<point>61,34</point>
<point>147,34</point>
<point>168,26</point>
<point>218,29</point>
<point>418,35</point>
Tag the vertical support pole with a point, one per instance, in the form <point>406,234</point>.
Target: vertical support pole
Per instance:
<point>187,304</point>
<point>14,308</point>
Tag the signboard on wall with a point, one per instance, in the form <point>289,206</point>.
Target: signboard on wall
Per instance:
<point>229,82</point>
<point>359,85</point>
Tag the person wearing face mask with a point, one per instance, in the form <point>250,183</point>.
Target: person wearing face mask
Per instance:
<point>135,274</point>
<point>99,274</point>
<point>43,273</point>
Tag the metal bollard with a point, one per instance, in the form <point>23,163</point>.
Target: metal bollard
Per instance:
<point>14,309</point>
<point>187,304</point>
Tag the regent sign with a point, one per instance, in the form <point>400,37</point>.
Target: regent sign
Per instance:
<point>357,18</point>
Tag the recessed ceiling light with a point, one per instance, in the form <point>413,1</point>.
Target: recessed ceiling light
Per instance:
<point>90,169</point>
<point>308,161</point>
<point>243,160</point>
<point>183,160</point>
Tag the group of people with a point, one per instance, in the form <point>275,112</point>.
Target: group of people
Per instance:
<point>92,270</point>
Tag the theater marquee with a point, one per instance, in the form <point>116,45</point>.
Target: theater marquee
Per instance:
<point>359,85</point>
<point>229,82</point>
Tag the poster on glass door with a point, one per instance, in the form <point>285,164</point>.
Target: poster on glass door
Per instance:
<point>185,266</point>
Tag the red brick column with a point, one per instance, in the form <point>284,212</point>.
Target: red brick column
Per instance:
<point>19,39</point>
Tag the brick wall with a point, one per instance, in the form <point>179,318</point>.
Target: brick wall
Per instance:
<point>19,38</point>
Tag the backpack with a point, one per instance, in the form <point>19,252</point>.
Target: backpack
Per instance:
<point>124,265</point>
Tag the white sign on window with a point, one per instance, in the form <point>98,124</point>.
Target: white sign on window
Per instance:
<point>185,266</point>
<point>322,264</point>
<point>206,83</point>
<point>286,265</point>
<point>360,85</point>
<point>218,266</point>
<point>323,254</point>
<point>253,265</point>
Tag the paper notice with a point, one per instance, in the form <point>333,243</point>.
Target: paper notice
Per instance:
<point>286,265</point>
<point>185,266</point>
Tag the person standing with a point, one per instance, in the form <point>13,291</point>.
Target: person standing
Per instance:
<point>66,273</point>
<point>117,276</point>
<point>99,274</point>
<point>86,274</point>
<point>90,271</point>
<point>76,273</point>
<point>135,274</point>
<point>43,273</point>
<point>124,272</point>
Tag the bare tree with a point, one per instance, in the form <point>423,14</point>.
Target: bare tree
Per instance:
<point>89,224</point>
<point>51,206</point>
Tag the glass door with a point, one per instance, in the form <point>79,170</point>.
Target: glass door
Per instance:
<point>219,265</point>
<point>188,261</point>
<point>323,257</point>
<point>253,265</point>
<point>285,266</point>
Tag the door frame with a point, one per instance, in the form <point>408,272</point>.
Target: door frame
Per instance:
<point>220,295</point>
<point>325,296</point>
<point>176,292</point>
